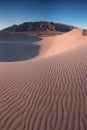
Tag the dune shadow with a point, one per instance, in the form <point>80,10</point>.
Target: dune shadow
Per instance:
<point>18,47</point>
<point>84,32</point>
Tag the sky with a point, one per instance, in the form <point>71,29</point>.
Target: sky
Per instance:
<point>72,12</point>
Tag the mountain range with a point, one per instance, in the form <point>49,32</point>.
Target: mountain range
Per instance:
<point>39,26</point>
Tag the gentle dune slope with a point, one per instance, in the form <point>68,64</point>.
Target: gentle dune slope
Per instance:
<point>47,93</point>
<point>53,45</point>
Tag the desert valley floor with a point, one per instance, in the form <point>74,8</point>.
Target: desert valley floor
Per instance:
<point>43,82</point>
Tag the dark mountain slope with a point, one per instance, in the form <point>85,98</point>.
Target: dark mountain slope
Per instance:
<point>39,26</point>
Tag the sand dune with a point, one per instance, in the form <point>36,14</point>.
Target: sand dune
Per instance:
<point>53,45</point>
<point>18,47</point>
<point>47,92</point>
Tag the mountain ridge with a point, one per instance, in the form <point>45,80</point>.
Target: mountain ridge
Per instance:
<point>39,26</point>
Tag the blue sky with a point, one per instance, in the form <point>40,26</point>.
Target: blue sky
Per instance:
<point>73,12</point>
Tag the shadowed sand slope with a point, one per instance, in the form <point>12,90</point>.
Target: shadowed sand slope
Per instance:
<point>45,93</point>
<point>16,47</point>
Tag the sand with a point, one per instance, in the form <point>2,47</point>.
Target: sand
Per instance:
<point>47,91</point>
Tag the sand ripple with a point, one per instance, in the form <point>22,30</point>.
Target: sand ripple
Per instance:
<point>45,94</point>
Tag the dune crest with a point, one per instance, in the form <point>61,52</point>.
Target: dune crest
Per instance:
<point>57,44</point>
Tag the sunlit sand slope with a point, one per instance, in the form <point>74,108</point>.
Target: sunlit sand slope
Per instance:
<point>54,45</point>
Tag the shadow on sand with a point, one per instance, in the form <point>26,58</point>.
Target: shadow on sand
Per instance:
<point>18,47</point>
<point>84,32</point>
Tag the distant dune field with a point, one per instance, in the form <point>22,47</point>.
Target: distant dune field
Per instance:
<point>43,82</point>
